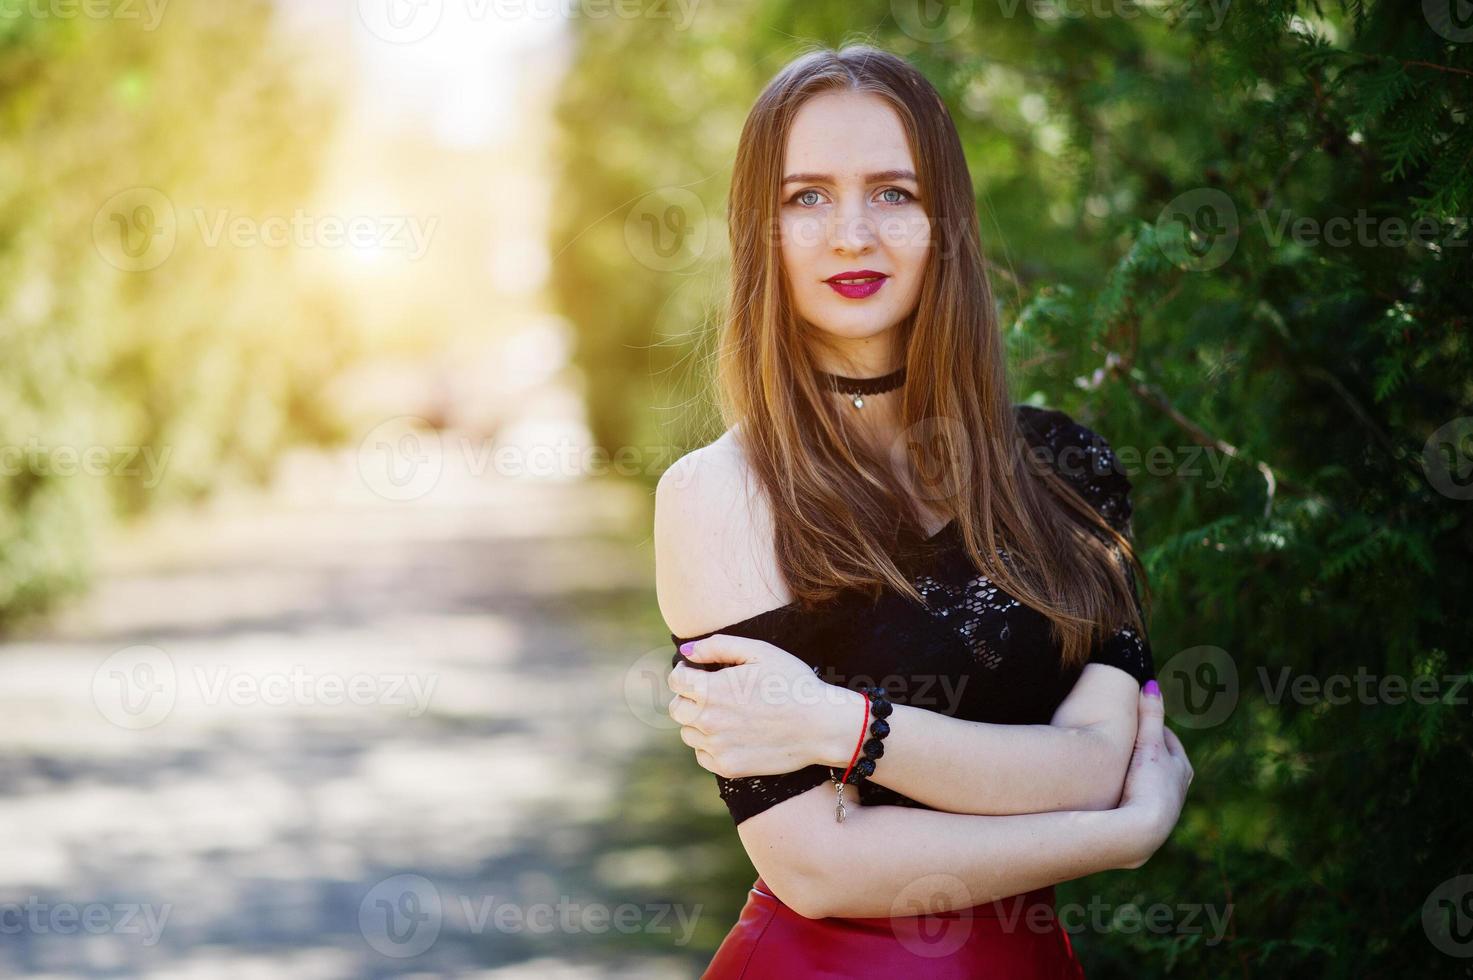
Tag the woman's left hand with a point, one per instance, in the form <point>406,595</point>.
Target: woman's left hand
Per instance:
<point>762,715</point>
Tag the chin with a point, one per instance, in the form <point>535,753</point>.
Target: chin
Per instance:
<point>853,328</point>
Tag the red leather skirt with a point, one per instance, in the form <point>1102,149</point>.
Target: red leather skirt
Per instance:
<point>1016,938</point>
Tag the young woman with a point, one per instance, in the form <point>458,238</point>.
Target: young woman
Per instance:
<point>880,515</point>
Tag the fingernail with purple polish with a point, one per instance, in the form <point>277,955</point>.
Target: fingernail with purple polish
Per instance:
<point>1152,688</point>
<point>686,647</point>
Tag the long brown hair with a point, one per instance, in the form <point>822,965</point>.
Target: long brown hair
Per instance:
<point>838,506</point>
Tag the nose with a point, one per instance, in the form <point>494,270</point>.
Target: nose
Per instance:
<point>852,231</point>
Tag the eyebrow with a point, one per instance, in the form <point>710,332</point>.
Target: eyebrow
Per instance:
<point>874,178</point>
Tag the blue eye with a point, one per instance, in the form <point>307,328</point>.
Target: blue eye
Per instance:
<point>905,197</point>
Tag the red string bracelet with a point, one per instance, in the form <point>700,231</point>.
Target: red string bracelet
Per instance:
<point>839,785</point>
<point>860,744</point>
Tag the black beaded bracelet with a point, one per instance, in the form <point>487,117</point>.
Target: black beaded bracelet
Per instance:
<point>874,747</point>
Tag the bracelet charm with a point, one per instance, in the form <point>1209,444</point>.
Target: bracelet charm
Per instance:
<point>876,705</point>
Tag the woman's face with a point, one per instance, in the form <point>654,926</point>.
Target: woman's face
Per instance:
<point>850,203</point>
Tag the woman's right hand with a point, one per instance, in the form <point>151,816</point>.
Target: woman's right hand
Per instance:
<point>1157,780</point>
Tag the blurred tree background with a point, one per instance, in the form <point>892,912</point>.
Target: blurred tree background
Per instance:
<point>1159,187</point>
<point>157,388</point>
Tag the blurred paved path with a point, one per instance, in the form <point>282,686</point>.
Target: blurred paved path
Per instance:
<point>222,759</point>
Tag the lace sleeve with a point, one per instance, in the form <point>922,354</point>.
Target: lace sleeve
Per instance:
<point>1128,649</point>
<point>1085,459</point>
<point>747,796</point>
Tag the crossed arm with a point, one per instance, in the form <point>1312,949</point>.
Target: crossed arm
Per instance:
<point>998,781</point>
<point>882,859</point>
<point>1029,806</point>
<point>763,712</point>
<point>1076,762</point>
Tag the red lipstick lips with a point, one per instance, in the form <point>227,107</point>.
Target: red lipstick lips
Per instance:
<point>858,283</point>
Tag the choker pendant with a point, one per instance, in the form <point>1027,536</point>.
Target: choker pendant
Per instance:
<point>857,388</point>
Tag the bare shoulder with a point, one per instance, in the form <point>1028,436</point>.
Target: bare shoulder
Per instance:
<point>714,562</point>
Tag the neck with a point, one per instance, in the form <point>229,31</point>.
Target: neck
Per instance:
<point>862,357</point>
<point>878,422</point>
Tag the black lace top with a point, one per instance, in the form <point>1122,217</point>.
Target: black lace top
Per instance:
<point>972,651</point>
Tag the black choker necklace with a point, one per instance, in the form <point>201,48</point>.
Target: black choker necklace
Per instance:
<point>859,387</point>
